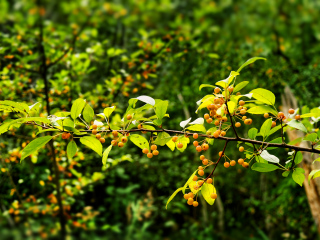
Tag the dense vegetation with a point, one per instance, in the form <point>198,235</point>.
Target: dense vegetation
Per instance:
<point>54,52</point>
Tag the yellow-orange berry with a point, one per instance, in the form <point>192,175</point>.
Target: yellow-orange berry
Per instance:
<point>266,115</point>
<point>186,196</point>
<point>174,138</point>
<point>94,131</point>
<point>223,133</point>
<point>115,133</point>
<point>195,136</point>
<point>237,124</point>
<point>226,164</point>
<point>201,172</point>
<point>232,163</point>
<point>297,117</point>
<point>98,136</point>
<point>245,165</point>
<point>241,103</point>
<point>243,111</point>
<point>213,195</point>
<point>153,147</point>
<point>244,118</point>
<point>216,122</point>
<point>209,120</point>
<point>149,155</point>
<point>140,126</point>
<point>155,152</point>
<point>216,134</point>
<point>209,180</point>
<point>206,116</point>
<point>195,204</point>
<point>205,146</point>
<point>220,154</point>
<point>179,145</point>
<point>94,126</point>
<point>199,148</point>
<point>124,139</point>
<point>230,89</point>
<point>202,157</point>
<point>114,143</point>
<point>120,144</point>
<point>195,178</point>
<point>280,114</point>
<point>291,111</point>
<point>205,161</point>
<point>200,183</point>
<point>145,150</point>
<point>273,124</point>
<point>240,161</point>
<point>241,149</point>
<point>195,143</point>
<point>129,117</point>
<point>224,119</point>
<point>217,90</point>
<point>102,140</point>
<point>200,168</point>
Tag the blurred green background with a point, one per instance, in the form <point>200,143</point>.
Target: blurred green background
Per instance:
<point>110,51</point>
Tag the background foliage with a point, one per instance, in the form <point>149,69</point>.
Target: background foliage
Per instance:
<point>108,52</point>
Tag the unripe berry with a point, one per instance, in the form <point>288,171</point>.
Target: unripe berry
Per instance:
<point>115,133</point>
<point>237,124</point>
<point>240,161</point>
<point>226,164</point>
<point>205,162</point>
<point>199,148</point>
<point>213,195</point>
<point>266,115</point>
<point>201,172</point>
<point>149,155</point>
<point>174,138</point>
<point>208,132</point>
<point>94,131</point>
<point>195,143</point>
<point>202,157</point>
<point>155,152</point>
<point>124,139</point>
<point>297,117</point>
<point>94,126</point>
<point>145,150</point>
<point>209,180</point>
<point>129,117</point>
<point>209,120</point>
<point>195,136</point>
<point>217,90</point>
<point>233,163</point>
<point>195,178</point>
<point>153,147</point>
<point>120,144</point>
<point>291,111</point>
<point>114,143</point>
<point>241,149</point>
<point>195,204</point>
<point>206,116</point>
<point>98,136</point>
<point>102,140</point>
<point>241,103</point>
<point>179,145</point>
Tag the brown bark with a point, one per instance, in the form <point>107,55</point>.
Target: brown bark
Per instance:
<point>312,189</point>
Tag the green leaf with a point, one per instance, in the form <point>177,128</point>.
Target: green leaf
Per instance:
<point>172,196</point>
<point>252,133</point>
<point>249,61</point>
<point>316,160</point>
<point>71,149</point>
<point>231,106</point>
<point>240,85</point>
<point>312,137</point>
<point>225,83</point>
<point>77,107</point>
<point>105,155</point>
<point>189,181</point>
<point>206,191</point>
<point>285,173</point>
<point>16,106</point>
<point>184,140</point>
<point>162,138</point>
<point>297,125</point>
<point>298,177</point>
<point>276,140</point>
<point>34,146</point>
<point>295,141</point>
<point>92,143</point>
<point>263,95</point>
<point>88,113</point>
<point>107,111</point>
<point>139,141</point>
<point>161,109</point>
<point>298,159</point>
<point>264,167</point>
<point>314,174</point>
<point>197,127</point>
<point>262,109</point>
<point>171,145</point>
<point>205,86</point>
<point>265,128</point>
